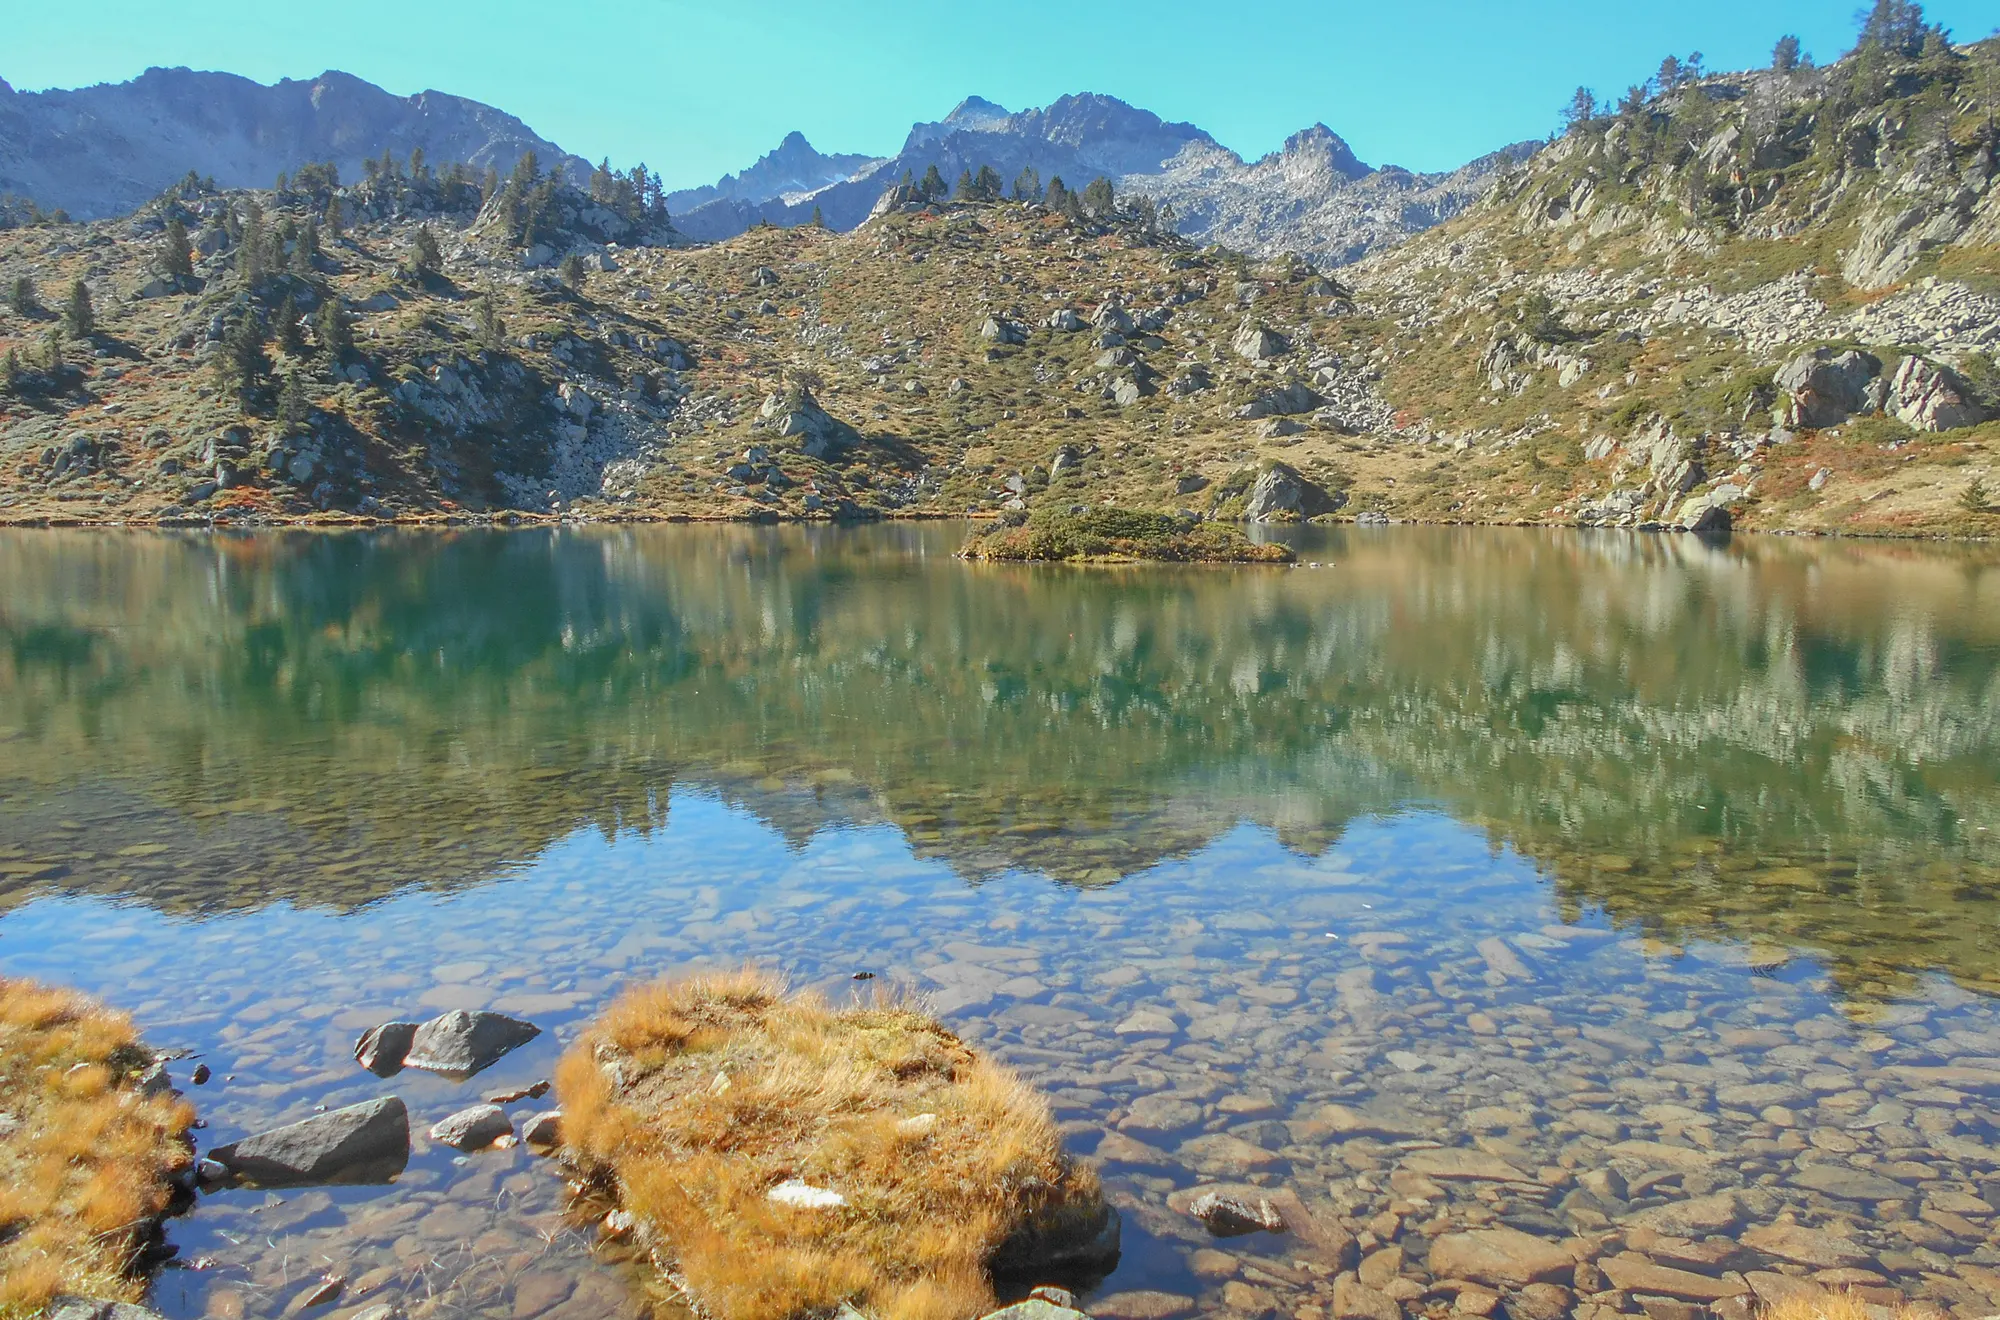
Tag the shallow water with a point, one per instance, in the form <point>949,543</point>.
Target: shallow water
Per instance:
<point>1572,852</point>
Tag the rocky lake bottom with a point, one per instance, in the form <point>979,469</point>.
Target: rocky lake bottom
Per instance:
<point>1710,1064</point>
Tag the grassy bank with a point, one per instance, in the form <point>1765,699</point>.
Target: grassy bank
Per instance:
<point>1115,536</point>
<point>86,1160</point>
<point>782,1157</point>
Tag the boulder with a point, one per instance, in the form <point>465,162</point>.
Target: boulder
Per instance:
<point>1930,397</point>
<point>543,1129</point>
<point>1355,1300</point>
<point>1036,1308</point>
<point>94,1308</point>
<point>459,1044</point>
<point>1500,1258</point>
<point>1127,390</point>
<point>1002,332</point>
<point>1067,458</point>
<point>1281,494</point>
<point>473,1129</point>
<point>381,1050</point>
<point>1283,401</point>
<point>1233,1216</point>
<point>365,1143</point>
<point>1066,322</point>
<point>1826,388</point>
<point>1807,1246</point>
<point>1258,343</point>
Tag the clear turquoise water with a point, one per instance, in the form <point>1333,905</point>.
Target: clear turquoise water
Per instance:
<point>1728,812</point>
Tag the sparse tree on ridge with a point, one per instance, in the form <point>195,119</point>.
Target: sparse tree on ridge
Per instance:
<point>334,330</point>
<point>967,190</point>
<point>1894,27</point>
<point>573,272</point>
<point>1100,199</point>
<point>286,322</point>
<point>933,187</point>
<point>1582,108</point>
<point>1785,56</point>
<point>1028,184</point>
<point>79,317</point>
<point>21,296</point>
<point>176,260</point>
<point>987,181</point>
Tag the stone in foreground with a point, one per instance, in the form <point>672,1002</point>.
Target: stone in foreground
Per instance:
<point>381,1050</point>
<point>459,1044</point>
<point>473,1129</point>
<point>1501,1258</point>
<point>365,1143</point>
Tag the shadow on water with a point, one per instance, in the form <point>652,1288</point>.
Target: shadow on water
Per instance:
<point>1778,743</point>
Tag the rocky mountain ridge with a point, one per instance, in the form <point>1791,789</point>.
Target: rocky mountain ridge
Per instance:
<point>1313,198</point>
<point>103,151</point>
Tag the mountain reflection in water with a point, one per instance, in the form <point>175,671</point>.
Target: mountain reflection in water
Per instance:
<point>1789,745</point>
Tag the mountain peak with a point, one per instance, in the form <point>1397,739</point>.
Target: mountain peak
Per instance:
<point>1318,149</point>
<point>977,112</point>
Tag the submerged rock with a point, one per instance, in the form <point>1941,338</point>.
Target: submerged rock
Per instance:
<point>365,1143</point>
<point>1232,1216</point>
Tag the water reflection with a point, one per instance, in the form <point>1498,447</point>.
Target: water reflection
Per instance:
<point>1785,743</point>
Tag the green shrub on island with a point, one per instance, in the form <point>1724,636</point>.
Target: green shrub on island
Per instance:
<point>1073,535</point>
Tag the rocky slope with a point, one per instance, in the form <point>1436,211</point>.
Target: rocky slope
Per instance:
<point>106,150</point>
<point>1763,301</point>
<point>1768,298</point>
<point>1314,198</point>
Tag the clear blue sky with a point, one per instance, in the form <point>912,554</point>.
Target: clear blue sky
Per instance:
<point>696,90</point>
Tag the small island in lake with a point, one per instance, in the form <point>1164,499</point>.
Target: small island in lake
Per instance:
<point>1119,536</point>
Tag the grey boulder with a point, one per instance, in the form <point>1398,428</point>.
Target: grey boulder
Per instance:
<point>1826,388</point>
<point>362,1143</point>
<point>1233,1216</point>
<point>1930,397</point>
<point>459,1044</point>
<point>92,1308</point>
<point>381,1050</point>
<point>1281,494</point>
<point>473,1129</point>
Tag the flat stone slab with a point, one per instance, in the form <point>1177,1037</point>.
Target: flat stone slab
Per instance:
<point>1501,1258</point>
<point>459,1044</point>
<point>365,1143</point>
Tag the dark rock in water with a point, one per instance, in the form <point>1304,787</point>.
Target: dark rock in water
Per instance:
<point>381,1050</point>
<point>1084,1247</point>
<point>91,1308</point>
<point>474,1129</point>
<point>367,1143</point>
<point>543,1129</point>
<point>1233,1216</point>
<point>459,1044</point>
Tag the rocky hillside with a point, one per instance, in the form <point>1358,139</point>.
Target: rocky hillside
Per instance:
<point>1760,300</point>
<point>1770,297</point>
<point>1313,199</point>
<point>107,150</point>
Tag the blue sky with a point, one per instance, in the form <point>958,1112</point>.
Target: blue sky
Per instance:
<point>696,90</point>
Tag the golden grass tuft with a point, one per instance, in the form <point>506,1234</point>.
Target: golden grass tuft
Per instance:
<point>85,1163</point>
<point>693,1098</point>
<point>1831,1305</point>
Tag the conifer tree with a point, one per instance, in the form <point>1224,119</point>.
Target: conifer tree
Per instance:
<point>250,248</point>
<point>1893,27</point>
<point>335,331</point>
<point>933,187</point>
<point>1028,184</point>
<point>21,296</point>
<point>293,405</point>
<point>291,340</point>
<point>1099,200</point>
<point>332,219</point>
<point>572,272</point>
<point>10,372</point>
<point>819,219</point>
<point>967,190</point>
<point>1669,76</point>
<point>1582,108</point>
<point>492,330</point>
<point>176,261</point>
<point>987,184</point>
<point>1785,55</point>
<point>1058,195</point>
<point>242,363</point>
<point>53,351</point>
<point>307,250</point>
<point>79,317</point>
<point>425,258</point>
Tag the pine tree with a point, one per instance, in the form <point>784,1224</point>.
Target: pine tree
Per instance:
<point>1582,108</point>
<point>1669,76</point>
<point>242,363</point>
<point>250,248</point>
<point>819,219</point>
<point>332,219</point>
<point>21,296</point>
<point>988,184</point>
<point>489,185</point>
<point>486,317</point>
<point>1058,195</point>
<point>1028,184</point>
<point>572,272</point>
<point>933,187</point>
<point>10,372</point>
<point>53,351</point>
<point>307,250</point>
<point>425,259</point>
<point>967,190</point>
<point>294,408</point>
<point>1099,200</point>
<point>291,340</point>
<point>1893,27</point>
<point>1785,55</point>
<point>418,169</point>
<point>335,331</point>
<point>176,261</point>
<point>79,317</point>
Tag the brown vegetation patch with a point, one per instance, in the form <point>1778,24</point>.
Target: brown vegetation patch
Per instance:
<point>86,1161</point>
<point>693,1099</point>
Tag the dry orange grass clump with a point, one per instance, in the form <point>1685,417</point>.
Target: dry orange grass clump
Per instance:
<point>694,1098</point>
<point>85,1161</point>
<point>1831,1305</point>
